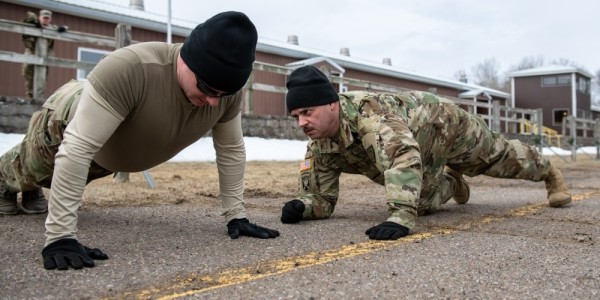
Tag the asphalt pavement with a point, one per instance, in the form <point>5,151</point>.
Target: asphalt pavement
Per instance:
<point>505,243</point>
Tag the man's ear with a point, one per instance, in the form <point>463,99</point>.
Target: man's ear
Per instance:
<point>333,105</point>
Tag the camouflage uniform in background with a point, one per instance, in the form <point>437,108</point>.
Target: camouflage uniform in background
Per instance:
<point>403,141</point>
<point>29,43</point>
<point>29,165</point>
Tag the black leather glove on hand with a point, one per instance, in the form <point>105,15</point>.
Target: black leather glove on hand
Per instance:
<point>237,227</point>
<point>69,252</point>
<point>62,28</point>
<point>292,211</point>
<point>387,231</point>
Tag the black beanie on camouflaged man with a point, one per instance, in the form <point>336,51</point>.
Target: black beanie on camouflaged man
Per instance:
<point>221,50</point>
<point>307,87</point>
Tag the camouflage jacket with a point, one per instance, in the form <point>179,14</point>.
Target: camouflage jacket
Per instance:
<point>29,40</point>
<point>381,136</point>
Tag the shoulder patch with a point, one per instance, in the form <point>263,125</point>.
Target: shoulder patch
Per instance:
<point>306,165</point>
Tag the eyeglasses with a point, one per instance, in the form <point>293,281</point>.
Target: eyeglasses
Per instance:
<point>210,92</point>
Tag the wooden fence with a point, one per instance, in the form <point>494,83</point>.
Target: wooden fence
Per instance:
<point>575,129</point>
<point>41,60</point>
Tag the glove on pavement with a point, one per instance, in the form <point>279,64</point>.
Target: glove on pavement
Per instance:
<point>292,211</point>
<point>95,253</point>
<point>387,231</point>
<point>69,252</point>
<point>237,227</point>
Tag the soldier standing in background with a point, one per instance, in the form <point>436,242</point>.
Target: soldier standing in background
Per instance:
<point>416,144</point>
<point>43,21</point>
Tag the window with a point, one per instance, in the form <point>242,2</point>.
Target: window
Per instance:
<point>583,85</point>
<point>558,114</point>
<point>584,114</point>
<point>88,55</point>
<point>550,81</point>
<point>564,80</point>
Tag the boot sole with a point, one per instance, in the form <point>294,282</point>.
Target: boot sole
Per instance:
<point>33,212</point>
<point>559,199</point>
<point>559,203</point>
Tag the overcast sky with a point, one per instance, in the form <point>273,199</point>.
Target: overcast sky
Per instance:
<point>430,37</point>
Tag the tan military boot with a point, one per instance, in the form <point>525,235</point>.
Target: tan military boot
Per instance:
<point>462,191</point>
<point>8,202</point>
<point>34,202</point>
<point>558,193</point>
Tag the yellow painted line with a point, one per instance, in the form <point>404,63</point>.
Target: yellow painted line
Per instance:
<point>276,267</point>
<point>271,268</point>
<point>195,284</point>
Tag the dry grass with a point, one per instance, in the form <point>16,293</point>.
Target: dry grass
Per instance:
<point>178,183</point>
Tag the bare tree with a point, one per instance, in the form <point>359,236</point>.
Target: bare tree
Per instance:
<point>527,62</point>
<point>566,62</point>
<point>461,75</point>
<point>487,73</point>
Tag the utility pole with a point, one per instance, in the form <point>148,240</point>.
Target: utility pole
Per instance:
<point>169,22</point>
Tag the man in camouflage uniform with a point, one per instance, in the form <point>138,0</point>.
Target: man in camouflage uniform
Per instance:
<point>140,106</point>
<point>33,199</point>
<point>415,144</point>
<point>43,21</point>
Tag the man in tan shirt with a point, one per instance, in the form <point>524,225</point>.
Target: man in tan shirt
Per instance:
<point>141,105</point>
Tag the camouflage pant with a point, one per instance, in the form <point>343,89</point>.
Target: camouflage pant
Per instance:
<point>476,150</point>
<point>28,75</point>
<point>29,165</point>
<point>27,72</point>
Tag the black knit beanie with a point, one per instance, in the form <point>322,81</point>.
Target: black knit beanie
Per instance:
<point>307,87</point>
<point>221,50</point>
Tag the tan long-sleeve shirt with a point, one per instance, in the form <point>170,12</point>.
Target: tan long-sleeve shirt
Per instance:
<point>131,116</point>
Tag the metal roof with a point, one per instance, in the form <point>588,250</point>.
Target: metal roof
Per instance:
<point>315,60</point>
<point>108,12</point>
<point>98,10</point>
<point>473,93</point>
<point>550,70</point>
<point>300,52</point>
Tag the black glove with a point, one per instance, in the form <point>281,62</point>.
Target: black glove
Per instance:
<point>62,28</point>
<point>237,227</point>
<point>95,253</point>
<point>69,252</point>
<point>387,231</point>
<point>292,211</point>
<point>37,24</point>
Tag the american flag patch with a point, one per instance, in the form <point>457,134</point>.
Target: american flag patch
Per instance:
<point>305,165</point>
